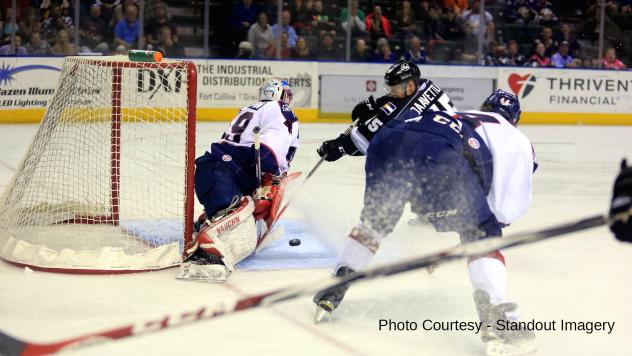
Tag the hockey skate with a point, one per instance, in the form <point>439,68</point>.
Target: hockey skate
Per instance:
<point>501,342</point>
<point>328,300</point>
<point>203,266</point>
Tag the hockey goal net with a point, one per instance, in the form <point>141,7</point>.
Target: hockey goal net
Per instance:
<point>106,185</point>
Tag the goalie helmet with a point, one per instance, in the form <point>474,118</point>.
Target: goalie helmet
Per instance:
<point>505,104</point>
<point>276,89</point>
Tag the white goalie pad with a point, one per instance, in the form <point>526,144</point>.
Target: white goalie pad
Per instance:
<point>233,238</point>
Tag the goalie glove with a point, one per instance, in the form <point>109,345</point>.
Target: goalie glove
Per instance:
<point>621,224</point>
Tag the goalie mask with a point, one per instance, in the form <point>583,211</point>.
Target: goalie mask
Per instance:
<point>278,90</point>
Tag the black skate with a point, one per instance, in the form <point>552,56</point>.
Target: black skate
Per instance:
<point>329,299</point>
<point>501,342</point>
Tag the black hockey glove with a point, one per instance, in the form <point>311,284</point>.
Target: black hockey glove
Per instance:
<point>621,201</point>
<point>365,109</point>
<point>336,148</point>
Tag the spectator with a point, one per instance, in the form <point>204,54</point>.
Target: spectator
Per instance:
<point>467,46</point>
<point>38,46</point>
<point>626,7</point>
<point>567,35</point>
<point>514,57</point>
<point>285,28</point>
<point>547,18</point>
<point>562,59</point>
<point>285,49</point>
<point>302,51</point>
<point>169,45</point>
<point>451,26</point>
<point>383,52</point>
<point>320,21</point>
<point>19,49</point>
<point>245,51</point>
<point>432,25</point>
<point>108,7</point>
<point>455,6</point>
<point>29,23</point>
<point>242,17</point>
<point>301,13</point>
<point>525,16</point>
<point>406,20</point>
<point>270,8</point>
<point>473,17</point>
<point>153,28</point>
<point>516,9</point>
<point>93,31</point>
<point>610,60</point>
<point>546,37</point>
<point>493,56</point>
<point>260,34</point>
<point>543,4</point>
<point>126,31</point>
<point>539,57</point>
<point>56,22</point>
<point>358,26</point>
<point>8,24</point>
<point>377,25</point>
<point>415,53</point>
<point>62,46</point>
<point>361,52</point>
<point>119,11</point>
<point>327,50</point>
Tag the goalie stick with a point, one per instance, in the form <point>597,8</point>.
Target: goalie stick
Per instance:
<point>269,235</point>
<point>12,346</point>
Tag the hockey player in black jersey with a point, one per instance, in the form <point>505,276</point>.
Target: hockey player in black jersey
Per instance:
<point>405,90</point>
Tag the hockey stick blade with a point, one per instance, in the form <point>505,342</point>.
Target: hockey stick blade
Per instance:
<point>12,346</point>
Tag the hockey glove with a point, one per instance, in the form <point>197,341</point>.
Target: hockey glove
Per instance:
<point>621,201</point>
<point>336,148</point>
<point>365,109</point>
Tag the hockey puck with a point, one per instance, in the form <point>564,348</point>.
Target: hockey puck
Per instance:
<point>295,242</point>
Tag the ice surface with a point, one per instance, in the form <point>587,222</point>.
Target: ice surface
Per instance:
<point>584,277</point>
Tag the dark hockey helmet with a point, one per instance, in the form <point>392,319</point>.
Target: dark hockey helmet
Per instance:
<point>505,104</point>
<point>401,72</point>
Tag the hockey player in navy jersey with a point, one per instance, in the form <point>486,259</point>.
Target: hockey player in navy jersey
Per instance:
<point>406,90</point>
<point>226,181</point>
<point>468,172</point>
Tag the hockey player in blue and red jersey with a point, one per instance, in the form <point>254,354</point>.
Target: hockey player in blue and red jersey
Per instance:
<point>226,181</point>
<point>468,172</point>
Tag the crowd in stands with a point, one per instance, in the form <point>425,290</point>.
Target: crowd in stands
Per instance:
<point>539,33</point>
<point>105,27</point>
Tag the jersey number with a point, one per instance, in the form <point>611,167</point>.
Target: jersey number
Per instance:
<point>238,127</point>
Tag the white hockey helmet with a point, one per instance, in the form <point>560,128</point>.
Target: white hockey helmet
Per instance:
<point>276,89</point>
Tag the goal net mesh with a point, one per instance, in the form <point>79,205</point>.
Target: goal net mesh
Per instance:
<point>103,186</point>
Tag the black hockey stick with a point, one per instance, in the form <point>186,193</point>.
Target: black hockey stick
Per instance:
<point>257,130</point>
<point>265,240</point>
<point>12,346</point>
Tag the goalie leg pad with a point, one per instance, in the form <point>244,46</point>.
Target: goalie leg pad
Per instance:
<point>233,237</point>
